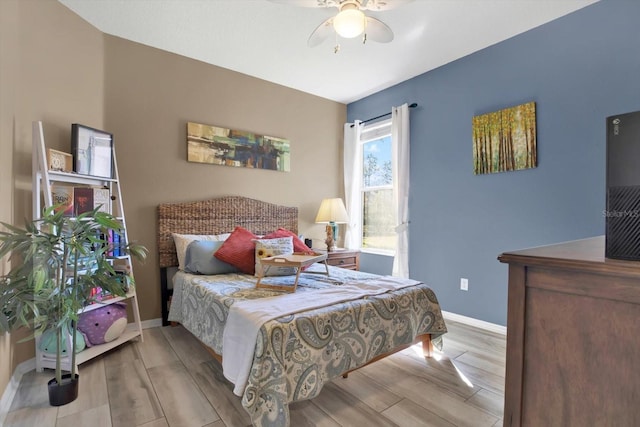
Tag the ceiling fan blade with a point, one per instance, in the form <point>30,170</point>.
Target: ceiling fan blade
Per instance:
<point>308,3</point>
<point>378,31</point>
<point>382,4</point>
<point>363,4</point>
<point>321,33</point>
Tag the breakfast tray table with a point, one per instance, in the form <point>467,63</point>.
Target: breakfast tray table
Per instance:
<point>296,260</point>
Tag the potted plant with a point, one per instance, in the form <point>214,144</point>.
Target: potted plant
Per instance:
<point>56,262</point>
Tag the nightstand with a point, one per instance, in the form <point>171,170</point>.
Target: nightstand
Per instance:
<point>344,258</point>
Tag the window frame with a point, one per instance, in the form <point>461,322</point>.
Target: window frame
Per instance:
<point>372,132</point>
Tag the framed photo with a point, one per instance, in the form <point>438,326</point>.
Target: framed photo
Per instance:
<point>92,151</point>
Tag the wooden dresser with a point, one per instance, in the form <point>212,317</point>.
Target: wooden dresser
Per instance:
<point>573,337</point>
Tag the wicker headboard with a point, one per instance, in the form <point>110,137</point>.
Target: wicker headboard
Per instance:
<point>217,216</point>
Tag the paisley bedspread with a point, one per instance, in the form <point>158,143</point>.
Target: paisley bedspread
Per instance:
<point>298,353</point>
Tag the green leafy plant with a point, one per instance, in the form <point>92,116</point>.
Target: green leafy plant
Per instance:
<point>56,262</point>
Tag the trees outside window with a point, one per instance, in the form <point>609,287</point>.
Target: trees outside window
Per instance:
<point>378,213</point>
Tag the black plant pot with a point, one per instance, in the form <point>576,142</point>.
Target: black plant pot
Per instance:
<point>67,392</point>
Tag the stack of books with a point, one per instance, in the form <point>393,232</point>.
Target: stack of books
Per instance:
<point>78,200</point>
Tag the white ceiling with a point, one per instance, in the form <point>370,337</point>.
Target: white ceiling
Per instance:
<point>268,40</point>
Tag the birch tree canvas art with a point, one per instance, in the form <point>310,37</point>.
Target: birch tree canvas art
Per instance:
<point>505,140</point>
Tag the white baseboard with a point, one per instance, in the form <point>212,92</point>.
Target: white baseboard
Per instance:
<point>12,388</point>
<point>492,327</point>
<point>151,323</point>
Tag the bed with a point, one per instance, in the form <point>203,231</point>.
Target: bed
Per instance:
<point>289,356</point>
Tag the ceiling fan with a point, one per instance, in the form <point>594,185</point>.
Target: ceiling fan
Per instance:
<point>351,21</point>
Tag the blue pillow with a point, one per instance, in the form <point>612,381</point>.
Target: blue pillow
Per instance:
<point>199,259</point>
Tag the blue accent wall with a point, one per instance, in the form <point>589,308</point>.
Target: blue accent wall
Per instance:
<point>579,69</point>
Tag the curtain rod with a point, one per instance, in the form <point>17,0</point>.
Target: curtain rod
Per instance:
<point>414,105</point>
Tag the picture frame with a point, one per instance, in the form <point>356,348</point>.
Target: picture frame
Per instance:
<point>92,151</point>
<point>237,148</point>
<point>59,161</point>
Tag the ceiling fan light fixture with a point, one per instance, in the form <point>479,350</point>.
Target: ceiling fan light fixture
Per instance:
<point>349,23</point>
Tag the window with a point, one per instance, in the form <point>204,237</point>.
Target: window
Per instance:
<point>378,212</point>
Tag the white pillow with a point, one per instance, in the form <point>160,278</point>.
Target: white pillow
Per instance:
<point>272,247</point>
<point>182,241</point>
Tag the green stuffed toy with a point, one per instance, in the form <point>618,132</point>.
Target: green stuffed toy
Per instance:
<point>49,342</point>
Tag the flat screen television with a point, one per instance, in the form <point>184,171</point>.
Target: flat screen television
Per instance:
<point>92,151</point>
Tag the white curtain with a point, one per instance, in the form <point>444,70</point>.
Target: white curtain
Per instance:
<point>352,178</point>
<point>400,159</point>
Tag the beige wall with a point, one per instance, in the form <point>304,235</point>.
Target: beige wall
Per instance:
<point>8,75</point>
<point>150,95</point>
<point>56,68</point>
<point>51,70</point>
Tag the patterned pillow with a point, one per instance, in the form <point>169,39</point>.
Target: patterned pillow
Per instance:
<point>182,241</point>
<point>298,245</point>
<point>199,259</point>
<point>272,247</point>
<point>238,250</point>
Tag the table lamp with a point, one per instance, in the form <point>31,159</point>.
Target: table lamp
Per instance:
<point>332,212</point>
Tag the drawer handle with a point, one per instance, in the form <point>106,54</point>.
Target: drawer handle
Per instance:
<point>341,261</point>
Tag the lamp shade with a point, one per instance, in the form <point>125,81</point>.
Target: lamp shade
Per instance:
<point>332,210</point>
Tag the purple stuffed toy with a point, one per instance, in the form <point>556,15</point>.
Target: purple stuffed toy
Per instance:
<point>103,324</point>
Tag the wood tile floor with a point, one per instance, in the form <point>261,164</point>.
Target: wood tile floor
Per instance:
<point>171,380</point>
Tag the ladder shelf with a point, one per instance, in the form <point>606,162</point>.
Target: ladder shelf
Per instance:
<point>43,179</point>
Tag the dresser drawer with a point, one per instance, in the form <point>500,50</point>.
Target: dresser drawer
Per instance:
<point>349,260</point>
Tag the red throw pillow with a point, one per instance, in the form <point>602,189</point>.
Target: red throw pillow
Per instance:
<point>298,245</point>
<point>239,250</point>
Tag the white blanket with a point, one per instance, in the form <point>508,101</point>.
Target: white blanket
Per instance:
<point>246,317</point>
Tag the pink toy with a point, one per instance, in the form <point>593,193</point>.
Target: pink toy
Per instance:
<point>103,324</point>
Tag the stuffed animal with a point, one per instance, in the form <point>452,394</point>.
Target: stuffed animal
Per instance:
<point>103,324</point>
<point>49,341</point>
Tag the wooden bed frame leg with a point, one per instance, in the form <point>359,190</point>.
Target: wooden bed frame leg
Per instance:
<point>427,346</point>
<point>427,351</point>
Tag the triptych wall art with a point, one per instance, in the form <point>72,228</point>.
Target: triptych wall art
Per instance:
<point>505,140</point>
<point>228,147</point>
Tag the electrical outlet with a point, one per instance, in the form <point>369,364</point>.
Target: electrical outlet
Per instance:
<point>464,284</point>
